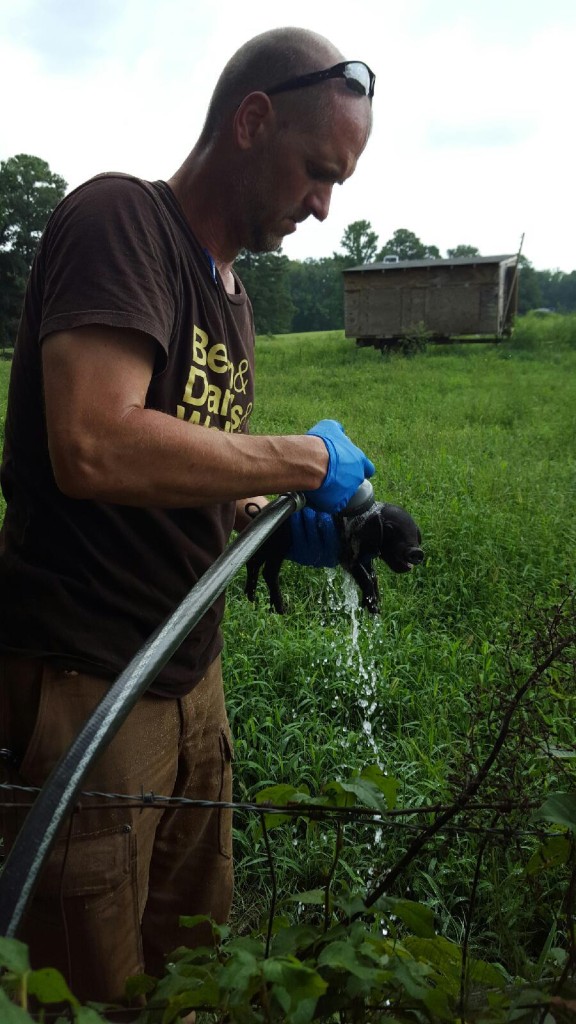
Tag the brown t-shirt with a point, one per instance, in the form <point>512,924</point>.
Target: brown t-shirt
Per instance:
<point>86,583</point>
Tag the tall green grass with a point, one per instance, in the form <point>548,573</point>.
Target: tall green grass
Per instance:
<point>478,442</point>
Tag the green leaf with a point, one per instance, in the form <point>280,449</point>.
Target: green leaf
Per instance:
<point>338,795</point>
<point>418,918</point>
<point>363,790</point>
<point>139,985</point>
<point>292,938</point>
<point>303,1012</point>
<point>484,973</point>
<point>446,958</point>
<point>9,1012</point>
<point>316,897</point>
<point>439,953</point>
<point>281,794</point>
<point>201,993</point>
<point>295,987</point>
<point>240,971</point>
<point>413,977</point>
<point>551,854</point>
<point>175,992</point>
<point>437,1001</point>
<point>561,753</point>
<point>220,932</point>
<point>387,784</point>
<point>351,904</point>
<point>48,985</point>
<point>343,956</point>
<point>559,808</point>
<point>87,1015</point>
<point>14,956</point>
<point>191,920</point>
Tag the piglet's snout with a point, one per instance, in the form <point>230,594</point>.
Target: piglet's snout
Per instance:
<point>414,556</point>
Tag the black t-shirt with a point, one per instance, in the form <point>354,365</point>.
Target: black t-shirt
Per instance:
<point>86,583</point>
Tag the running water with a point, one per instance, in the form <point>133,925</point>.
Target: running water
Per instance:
<point>356,657</point>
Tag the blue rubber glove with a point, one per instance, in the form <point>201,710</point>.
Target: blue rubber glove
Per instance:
<point>347,468</point>
<point>315,539</point>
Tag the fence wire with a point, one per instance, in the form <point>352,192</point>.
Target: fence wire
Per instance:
<point>151,800</point>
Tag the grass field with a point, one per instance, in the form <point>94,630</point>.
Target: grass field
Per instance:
<point>478,443</point>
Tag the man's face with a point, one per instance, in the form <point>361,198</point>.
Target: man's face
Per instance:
<point>296,172</point>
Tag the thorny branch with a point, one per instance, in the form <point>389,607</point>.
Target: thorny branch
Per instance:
<point>470,917</point>
<point>554,655</point>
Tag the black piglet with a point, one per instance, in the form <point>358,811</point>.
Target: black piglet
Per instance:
<point>383,531</point>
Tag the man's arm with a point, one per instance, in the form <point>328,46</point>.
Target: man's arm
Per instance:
<point>106,446</point>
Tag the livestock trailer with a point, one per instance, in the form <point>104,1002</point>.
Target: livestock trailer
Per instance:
<point>465,299</point>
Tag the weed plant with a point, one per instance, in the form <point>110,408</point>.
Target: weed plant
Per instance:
<point>478,443</point>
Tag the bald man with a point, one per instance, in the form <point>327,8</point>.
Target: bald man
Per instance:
<point>136,336</point>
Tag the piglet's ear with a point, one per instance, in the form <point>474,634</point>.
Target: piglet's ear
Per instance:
<point>372,532</point>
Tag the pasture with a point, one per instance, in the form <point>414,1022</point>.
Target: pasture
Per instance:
<point>478,443</point>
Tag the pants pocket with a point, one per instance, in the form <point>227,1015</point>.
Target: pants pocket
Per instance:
<point>91,865</point>
<point>84,918</point>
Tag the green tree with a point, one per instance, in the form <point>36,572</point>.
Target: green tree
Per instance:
<point>557,290</point>
<point>462,251</point>
<point>529,294</point>
<point>317,292</point>
<point>29,191</point>
<point>565,293</point>
<point>360,244</point>
<point>407,246</point>
<point>265,278</point>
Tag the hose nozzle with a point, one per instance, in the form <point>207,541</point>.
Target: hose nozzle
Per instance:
<point>361,500</point>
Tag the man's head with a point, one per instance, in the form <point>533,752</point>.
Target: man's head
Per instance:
<point>288,134</point>
<point>266,64</point>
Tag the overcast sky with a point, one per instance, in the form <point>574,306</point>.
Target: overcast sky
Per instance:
<point>473,138</point>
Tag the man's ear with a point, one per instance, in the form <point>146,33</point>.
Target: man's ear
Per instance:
<point>251,119</point>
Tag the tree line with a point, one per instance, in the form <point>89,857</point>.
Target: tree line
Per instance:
<point>288,296</point>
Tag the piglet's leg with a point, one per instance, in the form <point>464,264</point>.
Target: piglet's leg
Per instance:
<point>366,579</point>
<point>252,570</point>
<point>271,573</point>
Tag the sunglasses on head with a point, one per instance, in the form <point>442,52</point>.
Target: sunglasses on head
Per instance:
<point>357,75</point>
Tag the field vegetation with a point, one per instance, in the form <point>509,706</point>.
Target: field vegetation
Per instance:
<point>456,704</point>
<point>478,442</point>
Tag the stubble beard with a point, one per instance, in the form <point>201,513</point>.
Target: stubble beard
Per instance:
<point>264,241</point>
<point>260,234</point>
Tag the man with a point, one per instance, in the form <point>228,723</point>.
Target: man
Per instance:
<point>136,336</point>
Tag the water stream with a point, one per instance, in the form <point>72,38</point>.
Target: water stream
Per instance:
<point>355,653</point>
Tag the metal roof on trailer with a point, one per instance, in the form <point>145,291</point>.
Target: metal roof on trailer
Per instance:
<point>460,261</point>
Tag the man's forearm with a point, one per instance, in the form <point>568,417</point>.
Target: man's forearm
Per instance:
<point>152,459</point>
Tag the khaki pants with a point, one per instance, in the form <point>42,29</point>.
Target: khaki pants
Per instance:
<point>109,897</point>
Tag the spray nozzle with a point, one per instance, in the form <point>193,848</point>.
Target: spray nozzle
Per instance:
<point>361,501</point>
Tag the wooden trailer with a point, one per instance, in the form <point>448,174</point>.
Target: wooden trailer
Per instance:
<point>464,299</point>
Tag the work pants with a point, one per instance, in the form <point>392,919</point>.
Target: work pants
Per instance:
<point>109,898</point>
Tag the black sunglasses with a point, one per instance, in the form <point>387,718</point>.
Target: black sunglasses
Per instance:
<point>357,75</point>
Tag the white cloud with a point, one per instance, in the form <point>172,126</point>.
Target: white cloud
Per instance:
<point>473,107</point>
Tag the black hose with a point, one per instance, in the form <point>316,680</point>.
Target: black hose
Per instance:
<point>40,829</point>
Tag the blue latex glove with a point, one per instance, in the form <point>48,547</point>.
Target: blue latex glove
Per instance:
<point>315,539</point>
<point>347,468</point>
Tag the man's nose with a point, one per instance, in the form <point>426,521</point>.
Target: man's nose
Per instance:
<point>319,201</point>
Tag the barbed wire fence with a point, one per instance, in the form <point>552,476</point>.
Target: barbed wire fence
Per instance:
<point>447,819</point>
<point>489,819</point>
